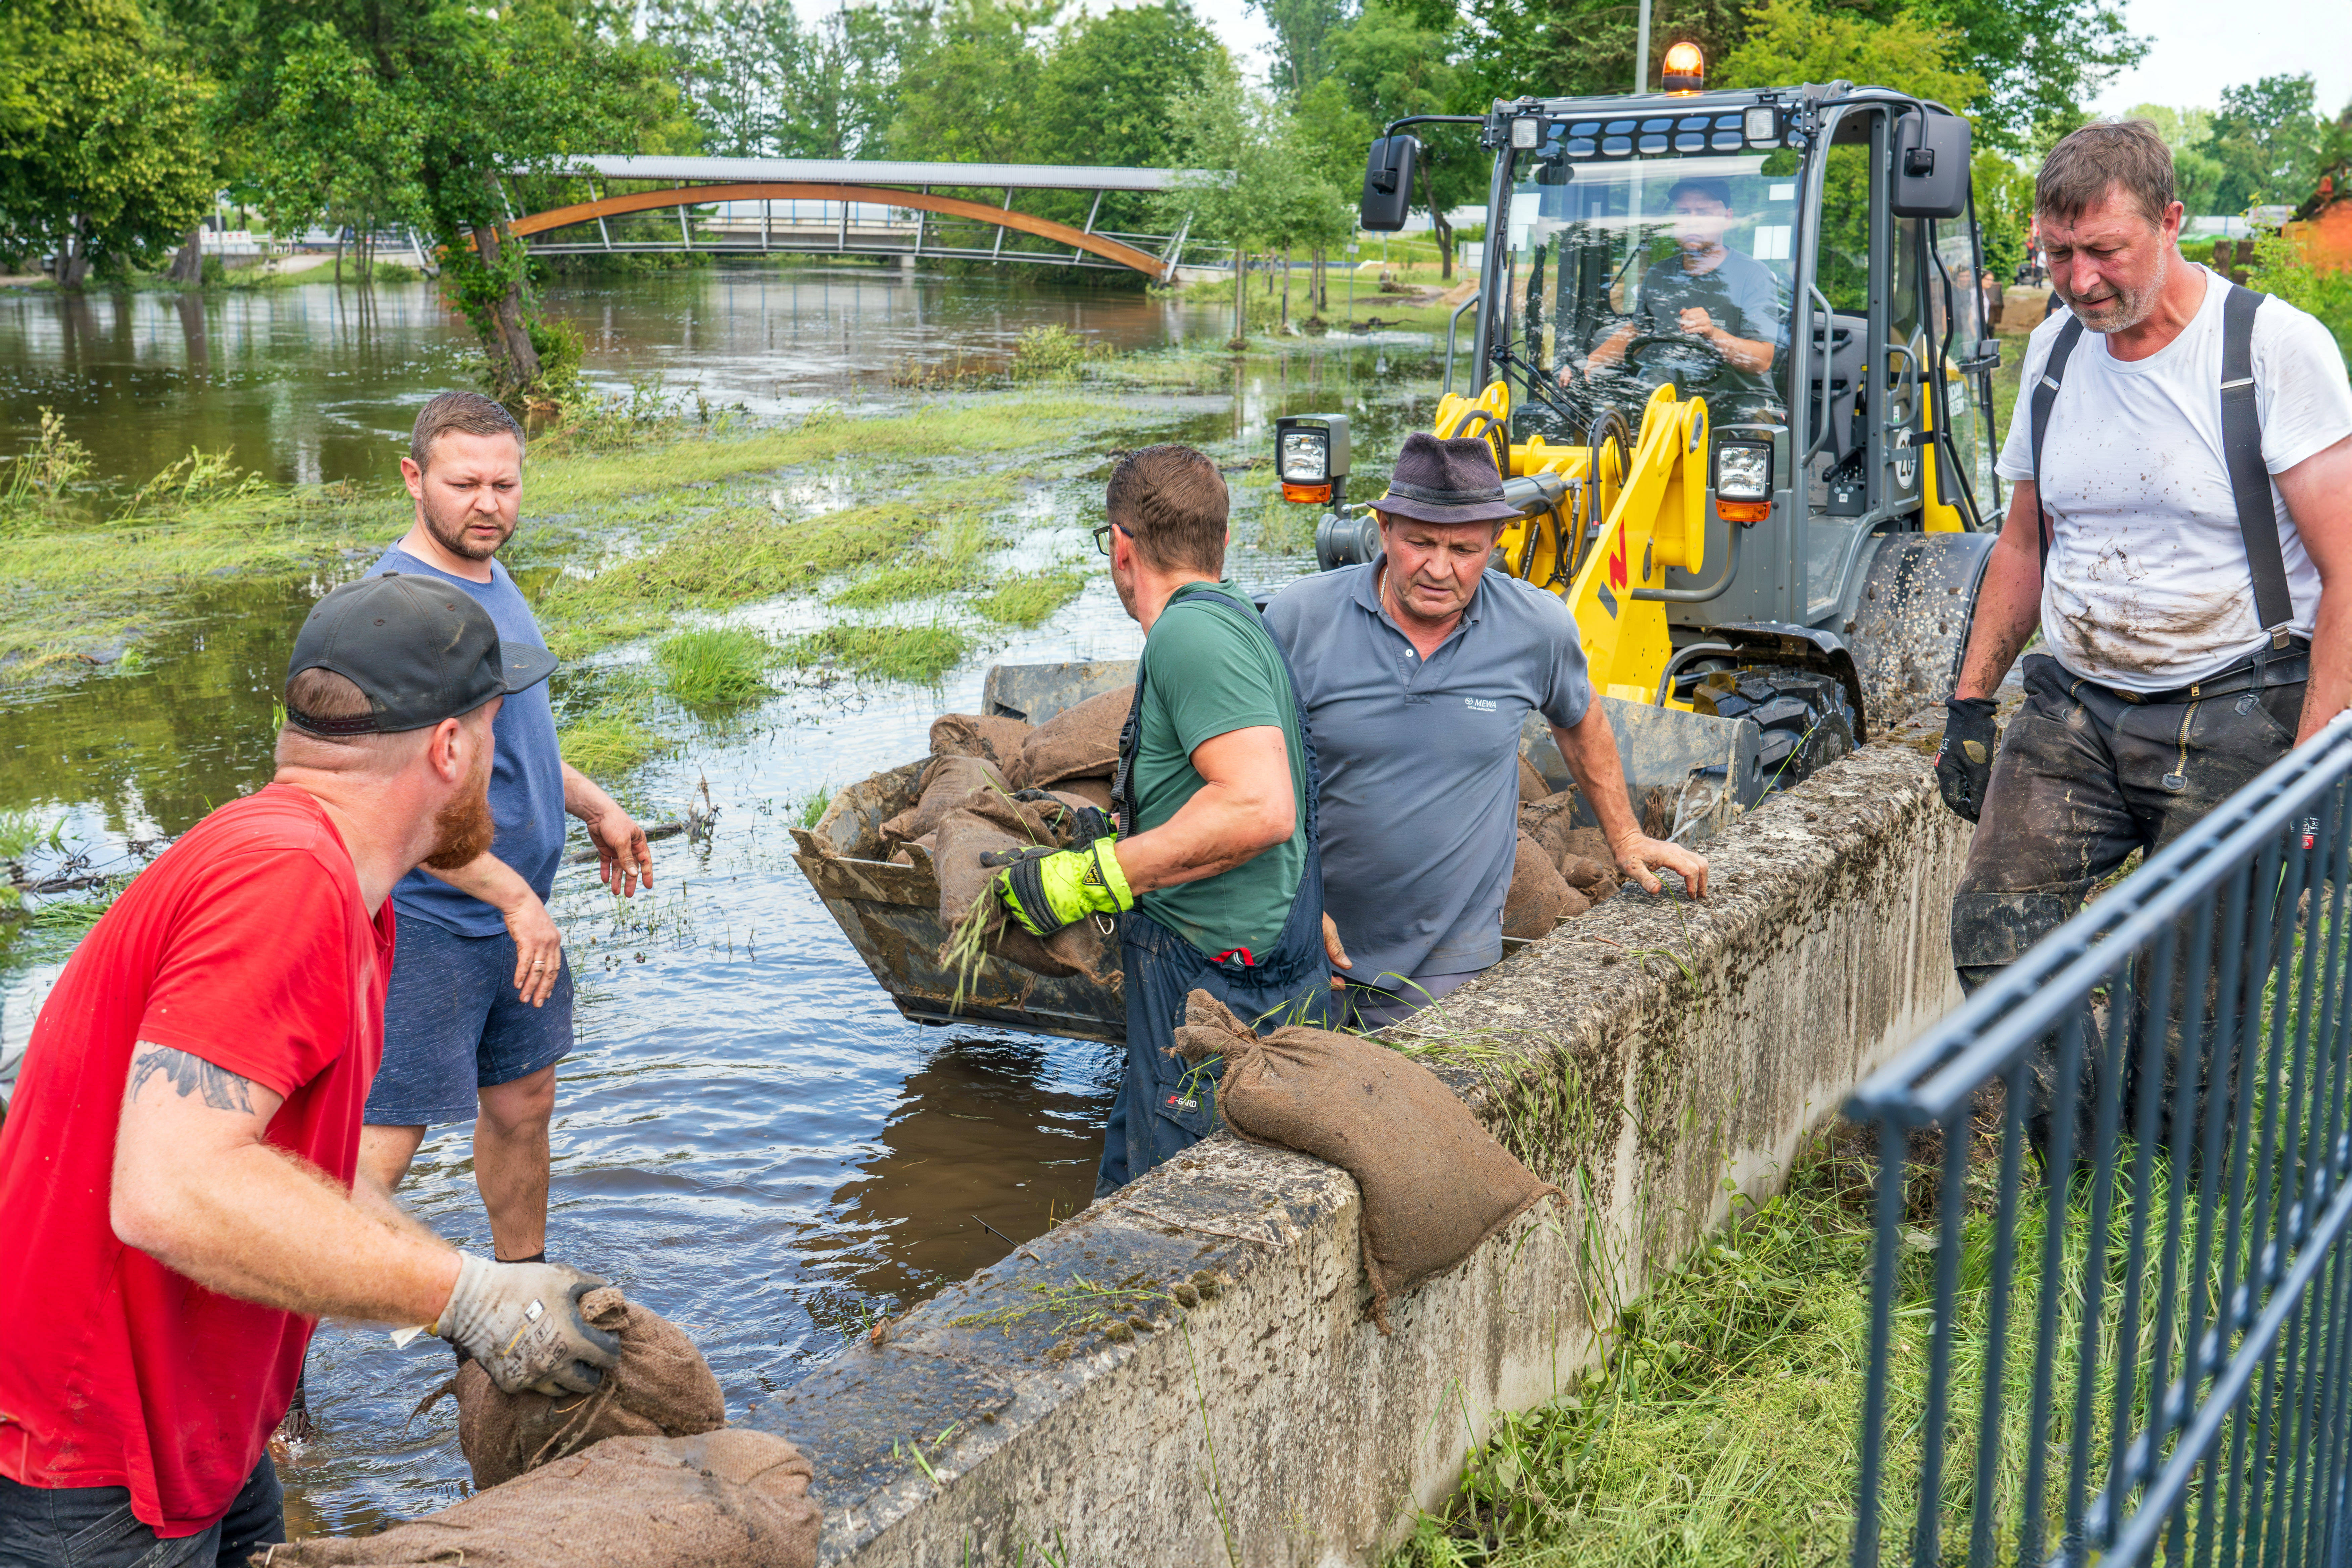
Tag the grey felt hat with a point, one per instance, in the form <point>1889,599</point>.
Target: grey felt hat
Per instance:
<point>1446,481</point>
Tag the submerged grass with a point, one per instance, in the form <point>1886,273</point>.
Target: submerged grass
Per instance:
<point>715,664</point>
<point>887,653</point>
<point>1026,598</point>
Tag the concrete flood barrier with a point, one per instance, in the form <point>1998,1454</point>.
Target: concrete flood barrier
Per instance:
<point>1182,1374</point>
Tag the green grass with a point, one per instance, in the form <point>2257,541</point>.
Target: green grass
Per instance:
<point>715,664</point>
<point>952,562</point>
<point>609,742</point>
<point>1723,1432</point>
<point>920,654</point>
<point>1026,598</point>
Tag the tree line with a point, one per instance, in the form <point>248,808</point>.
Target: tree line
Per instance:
<point>122,122</point>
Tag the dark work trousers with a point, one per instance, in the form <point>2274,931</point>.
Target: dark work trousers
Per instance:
<point>2083,777</point>
<point>1166,1104</point>
<point>94,1527</point>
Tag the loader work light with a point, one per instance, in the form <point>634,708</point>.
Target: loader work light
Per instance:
<point>1684,70</point>
<point>1527,133</point>
<point>1761,124</point>
<point>1310,457</point>
<point>1743,481</point>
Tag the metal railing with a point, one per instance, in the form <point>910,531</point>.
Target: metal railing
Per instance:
<point>2111,1305</point>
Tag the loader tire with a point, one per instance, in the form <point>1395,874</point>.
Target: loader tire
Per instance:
<point>1807,719</point>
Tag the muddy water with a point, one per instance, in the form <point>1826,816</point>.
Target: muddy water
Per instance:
<point>309,383</point>
<point>748,1135</point>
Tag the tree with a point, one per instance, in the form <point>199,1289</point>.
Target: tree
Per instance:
<point>2196,174</point>
<point>840,90</point>
<point>966,89</point>
<point>103,151</point>
<point>732,59</point>
<point>446,96</point>
<point>1797,41</point>
<point>1392,62</point>
<point>1109,93</point>
<point>2039,60</point>
<point>1256,186</point>
<point>1301,30</point>
<point>2266,139</point>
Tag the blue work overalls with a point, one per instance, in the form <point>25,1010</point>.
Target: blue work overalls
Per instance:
<point>1165,1104</point>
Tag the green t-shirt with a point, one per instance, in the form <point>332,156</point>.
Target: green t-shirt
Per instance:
<point>1207,674</point>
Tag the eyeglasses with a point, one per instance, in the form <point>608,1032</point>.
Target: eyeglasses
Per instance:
<point>1102,535</point>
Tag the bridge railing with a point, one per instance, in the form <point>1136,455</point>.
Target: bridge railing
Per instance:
<point>2111,1297</point>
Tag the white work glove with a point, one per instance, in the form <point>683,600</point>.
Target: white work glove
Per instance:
<point>522,1322</point>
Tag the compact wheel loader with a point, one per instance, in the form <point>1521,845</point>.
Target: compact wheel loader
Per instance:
<point>1731,353</point>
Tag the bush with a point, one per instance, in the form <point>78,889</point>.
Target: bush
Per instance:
<point>2280,268</point>
<point>562,349</point>
<point>1053,353</point>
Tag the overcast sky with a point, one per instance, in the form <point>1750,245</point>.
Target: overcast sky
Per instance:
<point>2201,47</point>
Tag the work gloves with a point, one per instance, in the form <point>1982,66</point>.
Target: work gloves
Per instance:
<point>1046,889</point>
<point>522,1322</point>
<point>1964,763</point>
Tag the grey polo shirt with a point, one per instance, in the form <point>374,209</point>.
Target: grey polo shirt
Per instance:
<point>1420,760</point>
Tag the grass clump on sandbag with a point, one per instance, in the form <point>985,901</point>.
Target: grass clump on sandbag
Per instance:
<point>1435,1184</point>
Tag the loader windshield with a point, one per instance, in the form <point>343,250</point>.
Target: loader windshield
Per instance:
<point>1624,274</point>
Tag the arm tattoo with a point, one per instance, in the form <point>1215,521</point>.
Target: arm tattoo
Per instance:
<point>221,1089</point>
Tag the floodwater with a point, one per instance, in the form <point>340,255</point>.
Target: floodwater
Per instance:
<point>749,1137</point>
<point>313,384</point>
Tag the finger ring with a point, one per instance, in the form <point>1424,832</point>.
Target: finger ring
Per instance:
<point>539,964</point>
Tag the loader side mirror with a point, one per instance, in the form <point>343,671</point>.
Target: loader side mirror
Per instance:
<point>1389,172</point>
<point>1931,166</point>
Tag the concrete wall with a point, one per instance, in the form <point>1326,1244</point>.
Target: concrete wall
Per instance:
<point>1077,1403</point>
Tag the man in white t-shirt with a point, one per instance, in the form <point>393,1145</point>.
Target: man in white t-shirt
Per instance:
<point>2174,666</point>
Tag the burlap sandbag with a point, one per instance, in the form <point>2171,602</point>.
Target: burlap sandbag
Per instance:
<point>1595,880</point>
<point>1094,792</point>
<point>662,1388</point>
<point>1435,1183</point>
<point>1532,787</point>
<point>986,824</point>
<point>982,735</point>
<point>1539,898</point>
<point>904,856</point>
<point>1079,742</point>
<point>728,1499</point>
<point>945,784</point>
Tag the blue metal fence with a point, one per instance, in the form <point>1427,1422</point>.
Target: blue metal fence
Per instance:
<point>2111,1302</point>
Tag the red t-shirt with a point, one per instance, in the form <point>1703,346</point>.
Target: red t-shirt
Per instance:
<point>245,943</point>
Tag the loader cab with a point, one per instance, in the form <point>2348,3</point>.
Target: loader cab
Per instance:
<point>1748,249</point>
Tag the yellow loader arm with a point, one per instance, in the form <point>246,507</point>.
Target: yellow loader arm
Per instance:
<point>1650,512</point>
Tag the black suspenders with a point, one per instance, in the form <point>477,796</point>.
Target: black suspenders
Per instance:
<point>2241,445</point>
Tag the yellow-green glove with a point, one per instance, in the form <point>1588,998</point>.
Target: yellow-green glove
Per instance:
<point>1046,889</point>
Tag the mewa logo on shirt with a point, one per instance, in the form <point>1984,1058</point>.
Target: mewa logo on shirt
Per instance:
<point>1479,704</point>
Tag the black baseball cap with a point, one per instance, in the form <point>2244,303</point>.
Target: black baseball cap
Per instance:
<point>422,651</point>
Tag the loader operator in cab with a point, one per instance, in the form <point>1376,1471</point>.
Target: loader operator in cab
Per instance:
<point>2179,533</point>
<point>1418,672</point>
<point>1724,305</point>
<point>1213,871</point>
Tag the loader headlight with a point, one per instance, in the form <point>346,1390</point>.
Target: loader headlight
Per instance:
<point>1310,457</point>
<point>1760,124</point>
<point>1527,133</point>
<point>1743,480</point>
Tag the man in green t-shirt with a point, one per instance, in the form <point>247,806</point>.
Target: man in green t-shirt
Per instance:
<point>1214,873</point>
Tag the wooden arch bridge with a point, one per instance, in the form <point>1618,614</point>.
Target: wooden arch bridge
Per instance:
<point>851,207</point>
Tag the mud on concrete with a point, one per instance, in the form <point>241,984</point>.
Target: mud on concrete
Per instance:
<point>1182,1374</point>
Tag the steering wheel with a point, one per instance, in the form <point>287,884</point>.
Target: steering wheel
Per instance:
<point>1714,361</point>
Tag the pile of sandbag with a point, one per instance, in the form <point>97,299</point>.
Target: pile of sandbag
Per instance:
<point>994,785</point>
<point>1562,871</point>
<point>1434,1182</point>
<point>642,1473</point>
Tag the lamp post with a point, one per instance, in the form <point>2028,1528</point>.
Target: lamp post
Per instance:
<point>1642,53</point>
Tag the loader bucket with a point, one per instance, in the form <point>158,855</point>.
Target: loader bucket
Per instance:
<point>1688,776</point>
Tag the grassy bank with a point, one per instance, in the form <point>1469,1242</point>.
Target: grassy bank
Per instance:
<point>1723,1432</point>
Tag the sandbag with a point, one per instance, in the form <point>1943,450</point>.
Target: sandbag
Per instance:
<point>984,825</point>
<point>1539,898</point>
<point>945,784</point>
<point>1094,792</point>
<point>1532,787</point>
<point>728,1499</point>
<point>982,735</point>
<point>1591,877</point>
<point>1435,1184</point>
<point>661,1388</point>
<point>903,855</point>
<point>1077,742</point>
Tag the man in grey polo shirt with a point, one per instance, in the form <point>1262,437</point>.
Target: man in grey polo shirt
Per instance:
<point>1417,672</point>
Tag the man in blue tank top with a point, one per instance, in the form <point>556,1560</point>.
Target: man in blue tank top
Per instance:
<point>479,1009</point>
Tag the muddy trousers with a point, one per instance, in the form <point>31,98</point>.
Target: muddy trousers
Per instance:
<point>2085,776</point>
<point>1165,1104</point>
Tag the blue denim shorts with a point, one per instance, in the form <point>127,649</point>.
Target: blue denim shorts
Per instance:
<point>454,1024</point>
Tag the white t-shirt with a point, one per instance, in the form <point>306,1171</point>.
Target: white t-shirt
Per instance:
<point>2149,588</point>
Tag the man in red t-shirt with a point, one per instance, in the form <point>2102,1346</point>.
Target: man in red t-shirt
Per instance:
<point>176,1168</point>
